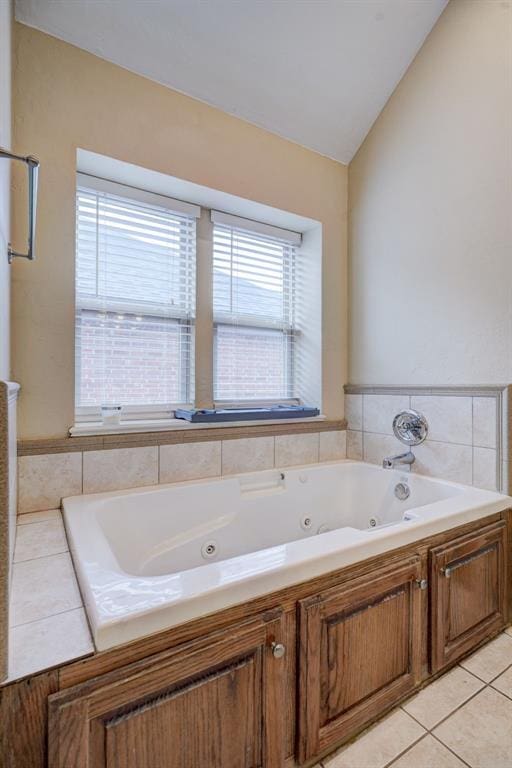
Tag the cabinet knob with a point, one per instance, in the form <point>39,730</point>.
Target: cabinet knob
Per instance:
<point>447,571</point>
<point>278,650</point>
<point>422,583</point>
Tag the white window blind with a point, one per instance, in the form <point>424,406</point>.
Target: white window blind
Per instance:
<point>254,311</point>
<point>135,299</point>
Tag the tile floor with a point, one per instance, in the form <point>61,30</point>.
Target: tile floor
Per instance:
<point>462,719</point>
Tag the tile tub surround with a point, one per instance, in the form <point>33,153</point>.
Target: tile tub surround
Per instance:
<point>48,625</point>
<point>45,479</point>
<point>8,485</point>
<point>468,430</point>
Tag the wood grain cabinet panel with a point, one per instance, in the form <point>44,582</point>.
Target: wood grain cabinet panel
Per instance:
<point>218,704</point>
<point>360,648</point>
<point>468,592</point>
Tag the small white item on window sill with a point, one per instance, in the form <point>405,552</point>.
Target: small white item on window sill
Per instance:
<point>111,415</point>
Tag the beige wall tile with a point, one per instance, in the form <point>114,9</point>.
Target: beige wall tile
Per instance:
<point>40,540</point>
<point>484,422</point>
<point>190,461</point>
<point>449,417</point>
<point>247,455</point>
<point>377,447</point>
<point>296,449</point>
<point>428,753</point>
<point>48,642</point>
<point>333,445</point>
<point>380,744</point>
<point>484,468</point>
<point>380,410</point>
<point>120,468</point>
<point>450,462</point>
<point>492,659</point>
<point>480,732</point>
<point>354,445</point>
<point>43,587</point>
<point>354,411</point>
<point>44,480</point>
<point>442,697</point>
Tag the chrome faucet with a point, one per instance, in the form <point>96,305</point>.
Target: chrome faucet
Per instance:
<point>390,462</point>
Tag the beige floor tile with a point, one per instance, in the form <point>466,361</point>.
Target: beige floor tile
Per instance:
<point>48,642</point>
<point>428,753</point>
<point>38,517</point>
<point>39,540</point>
<point>504,683</point>
<point>480,732</point>
<point>442,697</point>
<point>42,588</point>
<point>508,631</point>
<point>492,659</point>
<point>380,744</point>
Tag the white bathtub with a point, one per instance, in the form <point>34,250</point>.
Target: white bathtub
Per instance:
<point>151,558</point>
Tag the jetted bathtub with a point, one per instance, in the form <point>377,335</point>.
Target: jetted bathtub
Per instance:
<point>151,558</point>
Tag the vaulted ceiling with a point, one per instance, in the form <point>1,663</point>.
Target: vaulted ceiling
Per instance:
<point>317,72</point>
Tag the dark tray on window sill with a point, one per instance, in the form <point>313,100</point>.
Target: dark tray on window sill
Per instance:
<point>206,416</point>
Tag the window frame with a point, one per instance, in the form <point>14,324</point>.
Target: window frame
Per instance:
<point>85,415</point>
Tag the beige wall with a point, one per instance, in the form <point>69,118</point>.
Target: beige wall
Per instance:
<point>5,167</point>
<point>65,98</point>
<point>430,206</point>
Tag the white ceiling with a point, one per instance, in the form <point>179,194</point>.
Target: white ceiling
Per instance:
<point>317,72</point>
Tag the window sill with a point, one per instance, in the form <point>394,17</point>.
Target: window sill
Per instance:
<point>91,428</point>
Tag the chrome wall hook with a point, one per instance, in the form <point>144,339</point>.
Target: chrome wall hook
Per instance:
<point>33,172</point>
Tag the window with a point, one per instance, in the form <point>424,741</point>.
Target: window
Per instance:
<point>253,309</point>
<point>136,314</point>
<point>135,296</point>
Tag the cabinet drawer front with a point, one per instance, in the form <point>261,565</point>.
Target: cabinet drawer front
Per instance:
<point>360,651</point>
<point>215,704</point>
<point>468,578</point>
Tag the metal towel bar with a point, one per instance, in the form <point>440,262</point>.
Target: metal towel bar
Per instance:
<point>33,170</point>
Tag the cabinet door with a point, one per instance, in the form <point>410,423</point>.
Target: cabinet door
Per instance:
<point>360,649</point>
<point>468,585</point>
<point>214,704</point>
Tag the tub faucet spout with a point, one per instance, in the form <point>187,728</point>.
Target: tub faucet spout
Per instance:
<point>390,462</point>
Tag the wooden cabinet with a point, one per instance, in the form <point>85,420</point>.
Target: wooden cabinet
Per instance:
<point>198,696</point>
<point>468,592</point>
<point>360,650</point>
<point>216,703</point>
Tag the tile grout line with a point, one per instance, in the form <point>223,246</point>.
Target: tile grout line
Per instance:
<point>449,748</point>
<point>444,719</point>
<point>80,607</point>
<point>499,674</point>
<point>43,557</point>
<point>40,557</point>
<point>409,746</point>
